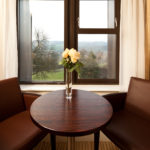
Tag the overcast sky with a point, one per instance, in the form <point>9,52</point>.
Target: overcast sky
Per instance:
<point>48,16</point>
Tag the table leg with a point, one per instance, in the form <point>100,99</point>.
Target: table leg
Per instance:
<point>96,140</point>
<point>71,143</point>
<point>53,142</point>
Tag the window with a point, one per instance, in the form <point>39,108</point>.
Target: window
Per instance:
<point>41,40</point>
<point>47,27</point>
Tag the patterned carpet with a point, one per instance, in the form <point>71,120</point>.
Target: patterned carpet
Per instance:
<point>79,146</point>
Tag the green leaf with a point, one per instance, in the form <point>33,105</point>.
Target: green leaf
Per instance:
<point>71,66</point>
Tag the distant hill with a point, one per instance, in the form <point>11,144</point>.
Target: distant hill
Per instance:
<point>59,46</point>
<point>96,46</point>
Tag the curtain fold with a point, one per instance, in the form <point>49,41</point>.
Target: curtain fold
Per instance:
<point>132,41</point>
<point>8,39</point>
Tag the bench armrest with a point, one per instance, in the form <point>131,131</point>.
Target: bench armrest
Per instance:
<point>29,98</point>
<point>117,100</point>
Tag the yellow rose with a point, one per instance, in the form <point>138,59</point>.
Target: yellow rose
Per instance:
<point>77,55</point>
<point>71,52</point>
<point>74,54</point>
<point>65,53</point>
<point>67,49</point>
<point>74,60</point>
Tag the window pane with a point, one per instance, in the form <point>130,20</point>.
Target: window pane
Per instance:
<point>96,14</point>
<point>98,54</point>
<point>46,39</point>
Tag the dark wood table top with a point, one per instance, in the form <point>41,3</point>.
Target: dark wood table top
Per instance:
<point>86,113</point>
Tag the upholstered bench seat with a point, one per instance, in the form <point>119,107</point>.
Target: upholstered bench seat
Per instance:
<point>18,132</point>
<point>128,130</point>
<point>129,127</point>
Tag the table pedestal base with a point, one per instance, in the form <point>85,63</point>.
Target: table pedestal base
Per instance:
<point>96,140</point>
<point>53,141</point>
<point>71,143</point>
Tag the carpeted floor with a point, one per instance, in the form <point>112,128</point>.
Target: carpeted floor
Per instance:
<point>79,146</point>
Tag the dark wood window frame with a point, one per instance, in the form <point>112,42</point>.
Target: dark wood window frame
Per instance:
<point>115,30</point>
<point>72,30</point>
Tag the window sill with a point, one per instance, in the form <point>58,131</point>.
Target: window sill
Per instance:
<point>47,88</point>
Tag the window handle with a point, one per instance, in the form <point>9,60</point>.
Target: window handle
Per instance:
<point>116,22</point>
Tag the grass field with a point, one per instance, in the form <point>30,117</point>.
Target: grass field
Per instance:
<point>49,76</point>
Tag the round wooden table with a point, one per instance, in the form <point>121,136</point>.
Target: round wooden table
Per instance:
<point>84,114</point>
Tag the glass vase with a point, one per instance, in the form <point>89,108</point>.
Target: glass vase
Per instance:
<point>68,84</point>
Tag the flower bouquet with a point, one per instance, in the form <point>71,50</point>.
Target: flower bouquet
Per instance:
<point>71,62</point>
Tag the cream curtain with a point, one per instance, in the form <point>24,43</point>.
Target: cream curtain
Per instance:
<point>8,39</point>
<point>147,36</point>
<point>132,50</point>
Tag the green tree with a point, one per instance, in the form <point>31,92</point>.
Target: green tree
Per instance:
<point>44,59</point>
<point>91,68</point>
